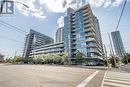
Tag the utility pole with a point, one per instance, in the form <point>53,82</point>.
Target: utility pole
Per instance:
<point>112,49</point>
<point>109,47</point>
<point>15,54</point>
<point>106,55</point>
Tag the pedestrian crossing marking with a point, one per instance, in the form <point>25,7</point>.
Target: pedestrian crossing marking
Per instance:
<point>116,79</point>
<point>116,84</point>
<point>125,82</point>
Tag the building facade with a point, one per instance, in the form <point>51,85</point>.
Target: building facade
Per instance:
<point>59,35</point>
<point>54,48</point>
<point>82,33</point>
<point>1,57</point>
<point>118,44</point>
<point>35,39</point>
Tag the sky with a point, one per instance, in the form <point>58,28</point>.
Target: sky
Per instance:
<point>46,15</point>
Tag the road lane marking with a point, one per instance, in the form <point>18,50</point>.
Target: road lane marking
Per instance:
<point>104,78</point>
<point>85,82</point>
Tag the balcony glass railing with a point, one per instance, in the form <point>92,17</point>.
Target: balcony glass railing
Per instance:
<point>87,17</point>
<point>91,45</point>
<point>90,39</point>
<point>93,50</point>
<point>88,25</point>
<point>86,10</point>
<point>87,21</point>
<point>89,29</point>
<point>90,34</point>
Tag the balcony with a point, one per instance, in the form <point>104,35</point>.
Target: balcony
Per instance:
<point>89,29</point>
<point>73,16</point>
<point>91,40</point>
<point>91,46</point>
<point>73,20</point>
<point>88,21</point>
<point>73,38</point>
<point>73,26</point>
<point>88,25</point>
<point>73,23</point>
<point>87,17</point>
<point>93,50</point>
<point>86,10</point>
<point>74,43</point>
<point>74,34</point>
<point>90,34</point>
<point>73,30</point>
<point>87,13</point>
<point>74,48</point>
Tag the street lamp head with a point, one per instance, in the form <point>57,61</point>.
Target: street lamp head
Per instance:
<point>22,4</point>
<point>26,5</point>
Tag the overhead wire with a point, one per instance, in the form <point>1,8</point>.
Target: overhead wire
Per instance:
<point>13,27</point>
<point>121,15</point>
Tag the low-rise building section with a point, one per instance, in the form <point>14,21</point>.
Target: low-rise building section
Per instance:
<point>54,48</point>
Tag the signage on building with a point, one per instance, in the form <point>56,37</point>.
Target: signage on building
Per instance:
<point>6,7</point>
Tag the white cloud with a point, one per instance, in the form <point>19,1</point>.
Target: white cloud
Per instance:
<point>105,3</point>
<point>59,6</point>
<point>60,21</point>
<point>117,3</point>
<point>108,3</point>
<point>35,9</point>
<point>97,3</point>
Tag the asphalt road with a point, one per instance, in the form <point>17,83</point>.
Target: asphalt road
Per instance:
<point>49,76</point>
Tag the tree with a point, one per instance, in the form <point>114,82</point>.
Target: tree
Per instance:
<point>38,60</point>
<point>64,58</point>
<point>126,58</point>
<point>53,59</point>
<point>9,60</point>
<point>79,57</point>
<point>15,59</point>
<point>112,61</point>
<point>18,59</point>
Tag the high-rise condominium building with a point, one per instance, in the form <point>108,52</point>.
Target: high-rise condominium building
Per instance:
<point>35,39</point>
<point>59,35</point>
<point>82,33</point>
<point>118,44</point>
